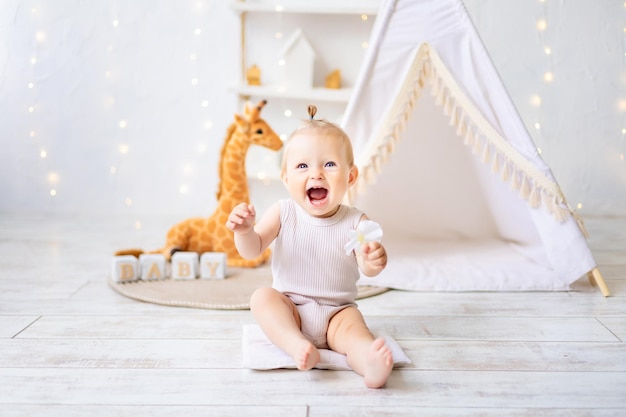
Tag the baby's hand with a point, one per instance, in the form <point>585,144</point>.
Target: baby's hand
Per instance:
<point>241,219</point>
<point>374,256</point>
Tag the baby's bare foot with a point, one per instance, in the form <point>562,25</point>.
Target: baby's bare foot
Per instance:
<point>379,364</point>
<point>306,355</point>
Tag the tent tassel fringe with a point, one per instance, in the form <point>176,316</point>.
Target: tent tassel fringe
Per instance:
<point>484,141</point>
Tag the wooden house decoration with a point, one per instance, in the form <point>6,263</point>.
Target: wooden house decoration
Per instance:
<point>333,80</point>
<point>253,75</point>
<point>298,61</point>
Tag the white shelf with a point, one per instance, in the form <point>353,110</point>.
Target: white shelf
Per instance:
<point>341,95</point>
<point>241,6</point>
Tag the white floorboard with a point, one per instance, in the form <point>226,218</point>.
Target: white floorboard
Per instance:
<point>71,346</point>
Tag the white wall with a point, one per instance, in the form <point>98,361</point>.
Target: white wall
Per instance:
<point>101,62</point>
<point>582,116</point>
<point>98,64</point>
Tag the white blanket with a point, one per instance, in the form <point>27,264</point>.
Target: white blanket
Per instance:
<point>261,354</point>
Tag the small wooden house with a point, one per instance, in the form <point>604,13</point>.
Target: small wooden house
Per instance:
<point>298,61</point>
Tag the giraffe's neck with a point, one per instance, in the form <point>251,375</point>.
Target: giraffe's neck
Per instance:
<point>234,181</point>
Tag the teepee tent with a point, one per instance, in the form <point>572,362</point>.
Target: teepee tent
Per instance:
<point>447,166</point>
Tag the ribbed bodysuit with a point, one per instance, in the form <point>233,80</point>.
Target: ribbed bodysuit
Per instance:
<point>310,265</point>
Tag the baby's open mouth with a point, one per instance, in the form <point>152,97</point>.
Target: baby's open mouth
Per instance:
<point>317,194</point>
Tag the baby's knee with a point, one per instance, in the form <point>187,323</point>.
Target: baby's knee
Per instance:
<point>262,296</point>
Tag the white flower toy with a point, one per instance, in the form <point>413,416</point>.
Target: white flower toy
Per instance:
<point>366,231</point>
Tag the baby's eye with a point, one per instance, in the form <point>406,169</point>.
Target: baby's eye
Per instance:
<point>301,166</point>
<point>330,164</point>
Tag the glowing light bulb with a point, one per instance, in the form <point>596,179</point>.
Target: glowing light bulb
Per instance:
<point>542,25</point>
<point>137,225</point>
<point>193,57</point>
<point>123,124</point>
<point>537,126</point>
<point>33,60</point>
<point>547,50</point>
<point>365,44</point>
<point>535,100</point>
<point>539,151</point>
<point>128,201</point>
<point>283,137</point>
<point>278,35</point>
<point>364,17</point>
<point>40,36</point>
<point>113,170</point>
<point>53,178</point>
<point>279,8</point>
<point>205,103</point>
<point>123,149</point>
<point>202,148</point>
<point>197,31</point>
<point>183,189</point>
<point>53,192</point>
<point>31,85</point>
<point>281,62</point>
<point>208,124</point>
<point>32,134</point>
<point>194,81</point>
<point>43,153</point>
<point>31,109</point>
<point>548,77</point>
<point>621,105</point>
<point>288,113</point>
<point>624,131</point>
<point>115,23</point>
<point>579,206</point>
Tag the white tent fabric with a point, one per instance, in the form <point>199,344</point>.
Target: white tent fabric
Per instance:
<point>447,166</point>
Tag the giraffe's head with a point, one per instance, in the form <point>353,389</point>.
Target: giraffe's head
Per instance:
<point>255,130</point>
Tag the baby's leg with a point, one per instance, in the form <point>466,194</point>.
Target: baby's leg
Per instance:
<point>369,357</point>
<point>280,321</point>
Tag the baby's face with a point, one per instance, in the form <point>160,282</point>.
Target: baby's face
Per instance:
<point>317,172</point>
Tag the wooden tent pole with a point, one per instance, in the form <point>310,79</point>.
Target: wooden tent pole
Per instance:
<point>595,278</point>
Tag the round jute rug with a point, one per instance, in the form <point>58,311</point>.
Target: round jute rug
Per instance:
<point>231,293</point>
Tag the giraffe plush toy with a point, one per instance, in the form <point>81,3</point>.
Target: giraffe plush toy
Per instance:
<point>210,234</point>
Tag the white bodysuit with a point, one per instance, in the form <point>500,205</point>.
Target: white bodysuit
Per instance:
<point>310,265</point>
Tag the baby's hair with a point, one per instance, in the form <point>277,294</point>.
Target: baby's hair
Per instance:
<point>323,127</point>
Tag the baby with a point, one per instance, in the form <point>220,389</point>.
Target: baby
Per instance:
<point>311,304</point>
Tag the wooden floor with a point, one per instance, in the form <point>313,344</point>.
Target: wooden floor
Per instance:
<point>71,346</point>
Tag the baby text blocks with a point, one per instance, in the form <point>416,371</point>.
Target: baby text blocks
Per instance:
<point>152,266</point>
<point>213,265</point>
<point>185,265</point>
<point>124,268</point>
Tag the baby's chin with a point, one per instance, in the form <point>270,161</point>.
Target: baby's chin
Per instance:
<point>320,211</point>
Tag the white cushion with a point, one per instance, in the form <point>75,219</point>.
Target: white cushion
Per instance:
<point>261,354</point>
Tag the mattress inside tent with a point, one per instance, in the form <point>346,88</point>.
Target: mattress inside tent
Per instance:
<point>449,222</point>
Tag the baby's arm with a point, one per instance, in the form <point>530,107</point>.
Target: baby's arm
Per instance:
<point>250,239</point>
<point>372,257</point>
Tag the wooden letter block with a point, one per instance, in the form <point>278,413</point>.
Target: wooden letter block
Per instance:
<point>152,266</point>
<point>213,265</point>
<point>124,268</point>
<point>185,265</point>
